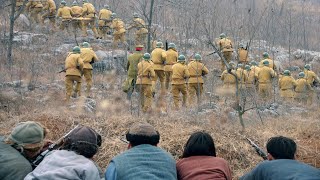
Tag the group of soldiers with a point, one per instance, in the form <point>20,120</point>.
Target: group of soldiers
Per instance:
<point>170,69</point>
<point>81,17</point>
<point>77,64</point>
<point>259,77</point>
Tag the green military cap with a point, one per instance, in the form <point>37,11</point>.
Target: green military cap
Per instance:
<point>301,74</point>
<point>146,56</point>
<point>135,15</point>
<point>76,49</point>
<point>182,58</point>
<point>171,45</point>
<point>85,44</point>
<point>265,55</point>
<point>266,63</point>
<point>28,135</point>
<point>197,57</point>
<point>247,67</point>
<point>222,35</point>
<point>253,63</point>
<point>307,66</point>
<point>159,44</point>
<point>286,72</point>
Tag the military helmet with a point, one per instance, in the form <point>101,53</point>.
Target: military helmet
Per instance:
<point>85,44</point>
<point>182,58</point>
<point>266,63</point>
<point>222,35</point>
<point>307,66</point>
<point>113,15</point>
<point>106,6</point>
<point>76,49</point>
<point>146,56</point>
<point>231,64</point>
<point>301,74</point>
<point>247,67</point>
<point>265,55</point>
<point>286,72</point>
<point>159,44</point>
<point>197,57</point>
<point>85,1</point>
<point>253,63</point>
<point>239,65</point>
<point>171,46</point>
<point>74,3</point>
<point>63,3</point>
<point>241,45</point>
<point>135,15</point>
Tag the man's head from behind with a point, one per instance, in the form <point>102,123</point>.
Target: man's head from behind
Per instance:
<point>281,148</point>
<point>84,141</point>
<point>142,133</point>
<point>28,138</point>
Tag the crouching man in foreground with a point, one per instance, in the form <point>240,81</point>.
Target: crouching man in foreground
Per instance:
<point>282,164</point>
<point>143,159</point>
<point>73,161</point>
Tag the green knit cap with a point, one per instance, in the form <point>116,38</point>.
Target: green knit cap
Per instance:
<point>27,134</point>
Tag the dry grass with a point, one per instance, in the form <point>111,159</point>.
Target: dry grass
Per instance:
<point>112,121</point>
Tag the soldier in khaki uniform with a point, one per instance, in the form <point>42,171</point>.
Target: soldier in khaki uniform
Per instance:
<point>251,81</point>
<point>287,85</point>
<point>225,46</point>
<point>88,57</point>
<point>180,73</point>
<point>34,7</point>
<point>242,78</point>
<point>158,57</point>
<point>50,13</point>
<point>64,12</point>
<point>311,78</point>
<point>132,68</point>
<point>267,58</point>
<point>119,33</point>
<point>243,54</point>
<point>145,75</point>
<point>141,33</point>
<point>73,67</point>
<point>264,77</point>
<point>195,83</point>
<point>254,67</point>
<point>229,81</point>
<point>76,12</point>
<point>171,59</point>
<point>104,22</point>
<point>302,89</point>
<point>88,12</point>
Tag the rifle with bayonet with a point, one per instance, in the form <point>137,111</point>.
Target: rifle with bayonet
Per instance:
<point>51,147</point>
<point>259,151</point>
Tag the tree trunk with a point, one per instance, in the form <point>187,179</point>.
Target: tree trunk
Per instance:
<point>149,25</point>
<point>10,43</point>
